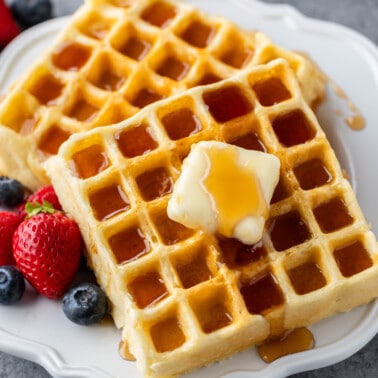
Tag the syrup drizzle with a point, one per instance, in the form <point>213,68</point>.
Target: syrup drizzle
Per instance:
<point>355,120</point>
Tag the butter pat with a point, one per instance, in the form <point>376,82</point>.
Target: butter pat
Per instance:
<point>224,189</point>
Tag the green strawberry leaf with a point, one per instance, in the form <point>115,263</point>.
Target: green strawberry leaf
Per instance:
<point>36,208</point>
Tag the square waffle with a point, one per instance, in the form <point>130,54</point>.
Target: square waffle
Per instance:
<point>113,58</point>
<point>183,297</point>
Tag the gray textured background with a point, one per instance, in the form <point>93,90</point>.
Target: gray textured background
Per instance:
<point>360,15</point>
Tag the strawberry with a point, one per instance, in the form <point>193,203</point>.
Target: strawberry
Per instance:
<point>47,248</point>
<point>45,193</point>
<point>8,224</point>
<point>9,28</point>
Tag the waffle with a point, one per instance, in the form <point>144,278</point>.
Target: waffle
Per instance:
<point>185,297</point>
<point>115,57</point>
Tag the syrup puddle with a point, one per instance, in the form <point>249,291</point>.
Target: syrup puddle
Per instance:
<point>293,341</point>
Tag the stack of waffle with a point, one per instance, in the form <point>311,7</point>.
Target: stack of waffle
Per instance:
<point>113,58</point>
<point>186,298</point>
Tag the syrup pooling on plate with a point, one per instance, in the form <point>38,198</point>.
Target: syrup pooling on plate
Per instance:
<point>293,341</point>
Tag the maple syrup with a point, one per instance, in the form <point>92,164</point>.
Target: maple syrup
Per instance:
<point>280,192</point>
<point>209,78</point>
<point>352,258</point>
<point>332,215</point>
<point>83,111</point>
<point>47,89</point>
<point>214,317</point>
<point>236,254</point>
<point>154,184</point>
<point>237,57</point>
<point>170,231</point>
<point>90,161</point>
<point>312,174</point>
<point>288,230</point>
<point>128,245</point>
<point>292,128</point>
<point>235,179</point>
<point>181,123</point>
<point>159,14</point>
<point>227,103</point>
<point>262,294</point>
<point>108,201</point>
<point>173,68</point>
<point>198,34</point>
<point>194,271</point>
<point>306,278</point>
<point>135,48</point>
<point>52,140</point>
<point>250,141</point>
<point>167,335</point>
<point>271,91</point>
<point>147,289</point>
<point>135,141</point>
<point>293,341</point>
<point>145,97</point>
<point>71,56</point>
<point>109,81</point>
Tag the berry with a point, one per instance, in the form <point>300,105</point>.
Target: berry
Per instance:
<point>31,12</point>
<point>45,193</point>
<point>12,285</point>
<point>9,28</point>
<point>47,248</point>
<point>8,224</point>
<point>85,304</point>
<point>11,192</point>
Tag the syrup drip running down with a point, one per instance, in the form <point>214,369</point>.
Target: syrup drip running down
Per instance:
<point>293,341</point>
<point>124,351</point>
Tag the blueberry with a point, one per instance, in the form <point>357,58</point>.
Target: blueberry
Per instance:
<point>12,285</point>
<point>11,192</point>
<point>31,12</point>
<point>85,304</point>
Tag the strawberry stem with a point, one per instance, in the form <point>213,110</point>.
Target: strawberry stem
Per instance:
<point>34,208</point>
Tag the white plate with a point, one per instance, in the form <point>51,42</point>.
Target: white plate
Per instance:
<point>36,329</point>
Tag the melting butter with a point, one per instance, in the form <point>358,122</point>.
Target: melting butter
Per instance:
<point>225,189</point>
